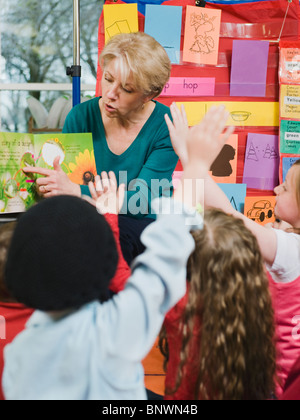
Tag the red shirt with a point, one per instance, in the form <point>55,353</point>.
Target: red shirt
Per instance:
<point>186,390</point>
<point>292,385</point>
<point>15,316</point>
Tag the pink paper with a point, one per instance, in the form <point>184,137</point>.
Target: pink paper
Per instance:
<point>190,86</point>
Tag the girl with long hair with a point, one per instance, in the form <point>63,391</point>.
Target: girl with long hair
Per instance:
<point>219,340</point>
<point>280,247</point>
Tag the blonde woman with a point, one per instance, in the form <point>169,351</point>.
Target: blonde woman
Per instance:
<point>130,135</point>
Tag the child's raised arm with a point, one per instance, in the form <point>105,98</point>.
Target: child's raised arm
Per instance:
<point>201,145</point>
<point>194,146</point>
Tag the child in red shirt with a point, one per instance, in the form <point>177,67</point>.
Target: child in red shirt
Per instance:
<point>13,315</point>
<point>220,337</point>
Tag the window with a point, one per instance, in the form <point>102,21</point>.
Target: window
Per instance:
<point>36,46</point>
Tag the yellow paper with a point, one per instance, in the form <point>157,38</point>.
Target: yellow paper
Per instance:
<point>120,18</point>
<point>201,36</point>
<point>290,101</point>
<point>260,209</point>
<point>252,114</point>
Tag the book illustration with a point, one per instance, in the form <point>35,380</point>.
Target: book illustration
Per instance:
<point>203,24</point>
<point>18,190</point>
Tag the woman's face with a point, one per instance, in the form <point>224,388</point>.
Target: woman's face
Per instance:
<point>119,101</point>
<point>286,207</point>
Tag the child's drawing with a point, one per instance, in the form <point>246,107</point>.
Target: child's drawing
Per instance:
<point>203,25</point>
<point>118,27</point>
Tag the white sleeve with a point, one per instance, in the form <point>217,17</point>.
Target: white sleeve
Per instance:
<point>286,266</point>
<point>133,317</point>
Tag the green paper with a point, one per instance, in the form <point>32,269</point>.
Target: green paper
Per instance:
<point>290,137</point>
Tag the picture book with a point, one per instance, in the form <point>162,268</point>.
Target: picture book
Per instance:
<point>18,190</point>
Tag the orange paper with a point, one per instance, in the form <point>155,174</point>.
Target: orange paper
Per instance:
<point>223,170</point>
<point>201,37</point>
<point>260,209</point>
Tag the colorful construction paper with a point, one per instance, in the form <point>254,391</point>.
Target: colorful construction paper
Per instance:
<point>164,24</point>
<point>190,86</point>
<point>120,18</point>
<point>287,163</point>
<point>260,209</point>
<point>290,101</point>
<point>249,68</point>
<point>224,168</point>
<point>289,65</point>
<point>236,194</point>
<point>261,168</point>
<point>257,114</point>
<point>201,36</point>
<point>290,137</point>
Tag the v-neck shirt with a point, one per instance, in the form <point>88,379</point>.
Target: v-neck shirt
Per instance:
<point>149,157</point>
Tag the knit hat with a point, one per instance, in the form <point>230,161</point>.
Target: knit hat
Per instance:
<point>62,255</point>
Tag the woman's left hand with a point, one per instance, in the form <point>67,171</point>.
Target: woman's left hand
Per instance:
<point>54,182</point>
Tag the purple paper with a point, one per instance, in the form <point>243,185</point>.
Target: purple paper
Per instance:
<point>249,68</point>
<point>261,169</point>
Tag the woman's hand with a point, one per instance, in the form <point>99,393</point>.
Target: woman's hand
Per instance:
<point>55,181</point>
<point>106,195</point>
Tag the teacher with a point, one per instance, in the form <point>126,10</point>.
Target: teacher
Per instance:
<point>130,135</point>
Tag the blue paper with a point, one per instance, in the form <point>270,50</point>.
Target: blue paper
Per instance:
<point>236,194</point>
<point>164,24</point>
<point>287,162</point>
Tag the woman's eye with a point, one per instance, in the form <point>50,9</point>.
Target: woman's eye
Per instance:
<point>127,90</point>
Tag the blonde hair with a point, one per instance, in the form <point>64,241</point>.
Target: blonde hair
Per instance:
<point>142,56</point>
<point>229,298</point>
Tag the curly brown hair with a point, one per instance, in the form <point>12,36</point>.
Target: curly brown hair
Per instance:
<point>6,233</point>
<point>229,294</point>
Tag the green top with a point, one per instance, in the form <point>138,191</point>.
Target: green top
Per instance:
<point>146,167</point>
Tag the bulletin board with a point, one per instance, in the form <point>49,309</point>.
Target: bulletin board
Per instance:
<point>249,31</point>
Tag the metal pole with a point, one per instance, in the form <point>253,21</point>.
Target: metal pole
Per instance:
<point>75,70</point>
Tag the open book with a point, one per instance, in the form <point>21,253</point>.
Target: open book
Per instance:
<point>17,190</point>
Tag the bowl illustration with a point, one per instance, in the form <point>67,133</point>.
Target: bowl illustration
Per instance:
<point>240,116</point>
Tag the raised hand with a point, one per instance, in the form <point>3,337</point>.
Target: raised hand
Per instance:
<point>106,195</point>
<point>178,130</point>
<point>202,142</point>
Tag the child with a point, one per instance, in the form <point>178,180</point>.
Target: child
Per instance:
<point>280,249</point>
<point>74,347</point>
<point>220,337</point>
<point>13,315</point>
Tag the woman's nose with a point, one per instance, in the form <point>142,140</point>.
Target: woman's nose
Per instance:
<point>112,92</point>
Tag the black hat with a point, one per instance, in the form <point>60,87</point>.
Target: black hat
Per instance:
<point>62,255</point>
